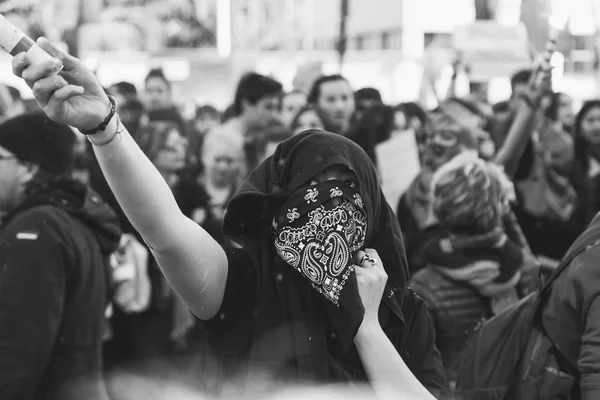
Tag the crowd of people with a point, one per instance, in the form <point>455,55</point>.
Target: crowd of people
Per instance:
<point>248,249</point>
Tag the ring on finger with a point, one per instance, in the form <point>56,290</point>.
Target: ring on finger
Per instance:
<point>370,259</point>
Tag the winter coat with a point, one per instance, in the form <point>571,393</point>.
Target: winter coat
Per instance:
<point>54,290</point>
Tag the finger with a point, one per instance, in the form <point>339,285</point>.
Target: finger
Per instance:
<point>359,258</point>
<point>19,63</point>
<point>375,255</point>
<point>64,94</point>
<point>58,98</point>
<point>68,61</point>
<point>39,70</point>
<point>45,87</point>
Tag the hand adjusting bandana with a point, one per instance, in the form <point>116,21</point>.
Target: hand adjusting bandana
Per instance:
<point>318,232</point>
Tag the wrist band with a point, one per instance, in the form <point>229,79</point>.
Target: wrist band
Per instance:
<point>118,132</point>
<point>104,124</point>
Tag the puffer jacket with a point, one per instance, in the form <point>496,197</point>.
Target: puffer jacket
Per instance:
<point>457,308</point>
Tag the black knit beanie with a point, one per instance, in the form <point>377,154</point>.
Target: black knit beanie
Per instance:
<point>35,138</point>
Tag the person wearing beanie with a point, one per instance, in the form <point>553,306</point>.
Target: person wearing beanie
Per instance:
<point>55,239</point>
<point>476,268</point>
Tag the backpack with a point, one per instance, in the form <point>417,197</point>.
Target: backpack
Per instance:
<point>510,356</point>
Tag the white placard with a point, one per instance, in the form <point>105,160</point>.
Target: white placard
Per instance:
<point>398,162</point>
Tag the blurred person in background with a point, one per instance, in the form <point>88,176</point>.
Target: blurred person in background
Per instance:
<point>129,106</point>
<point>123,91</point>
<point>254,301</point>
<point>475,270</point>
<point>256,104</point>
<point>446,138</point>
<point>268,141</point>
<point>54,280</point>
<point>417,118</point>
<point>157,90</point>
<point>290,104</point>
<point>223,163</point>
<point>205,119</point>
<point>334,97</point>
<point>365,99</point>
<point>561,110</point>
<point>308,117</point>
<point>452,130</point>
<point>586,174</point>
<point>255,108</point>
<point>133,115</point>
<point>548,207</point>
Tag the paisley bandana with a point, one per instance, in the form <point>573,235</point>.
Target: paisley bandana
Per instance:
<point>318,231</point>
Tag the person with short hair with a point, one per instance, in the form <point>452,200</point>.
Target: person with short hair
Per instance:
<point>475,269</point>
<point>333,95</point>
<point>55,242</point>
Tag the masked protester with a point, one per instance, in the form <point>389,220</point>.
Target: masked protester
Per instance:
<point>317,288</point>
<point>54,281</point>
<point>476,269</point>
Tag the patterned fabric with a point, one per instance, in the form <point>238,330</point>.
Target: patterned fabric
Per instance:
<point>318,232</point>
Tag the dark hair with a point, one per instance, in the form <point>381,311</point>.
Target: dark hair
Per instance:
<point>126,89</point>
<point>286,94</point>
<point>207,109</point>
<point>159,74</point>
<point>315,90</point>
<point>169,114</point>
<point>368,93</point>
<point>414,110</point>
<point>520,77</point>
<point>303,110</point>
<point>582,147</point>
<point>228,114</point>
<point>254,87</point>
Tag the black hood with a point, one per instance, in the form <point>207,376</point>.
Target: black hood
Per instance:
<point>81,202</point>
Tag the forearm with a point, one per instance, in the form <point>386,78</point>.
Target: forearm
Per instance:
<point>141,191</point>
<point>513,147</point>
<point>384,366</point>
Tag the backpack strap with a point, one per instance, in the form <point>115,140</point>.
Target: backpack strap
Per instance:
<point>590,237</point>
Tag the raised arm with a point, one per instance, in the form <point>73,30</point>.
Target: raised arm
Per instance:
<point>193,263</point>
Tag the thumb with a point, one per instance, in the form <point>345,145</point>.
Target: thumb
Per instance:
<point>67,60</point>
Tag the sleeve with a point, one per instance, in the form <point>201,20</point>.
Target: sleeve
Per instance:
<point>583,295</point>
<point>423,357</point>
<point>240,294</point>
<point>32,296</point>
<point>589,357</point>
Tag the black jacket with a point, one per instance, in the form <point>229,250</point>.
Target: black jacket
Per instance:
<point>54,286</point>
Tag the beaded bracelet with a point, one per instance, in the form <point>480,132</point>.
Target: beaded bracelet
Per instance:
<point>118,132</point>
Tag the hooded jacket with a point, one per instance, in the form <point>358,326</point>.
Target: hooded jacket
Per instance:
<point>54,286</point>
